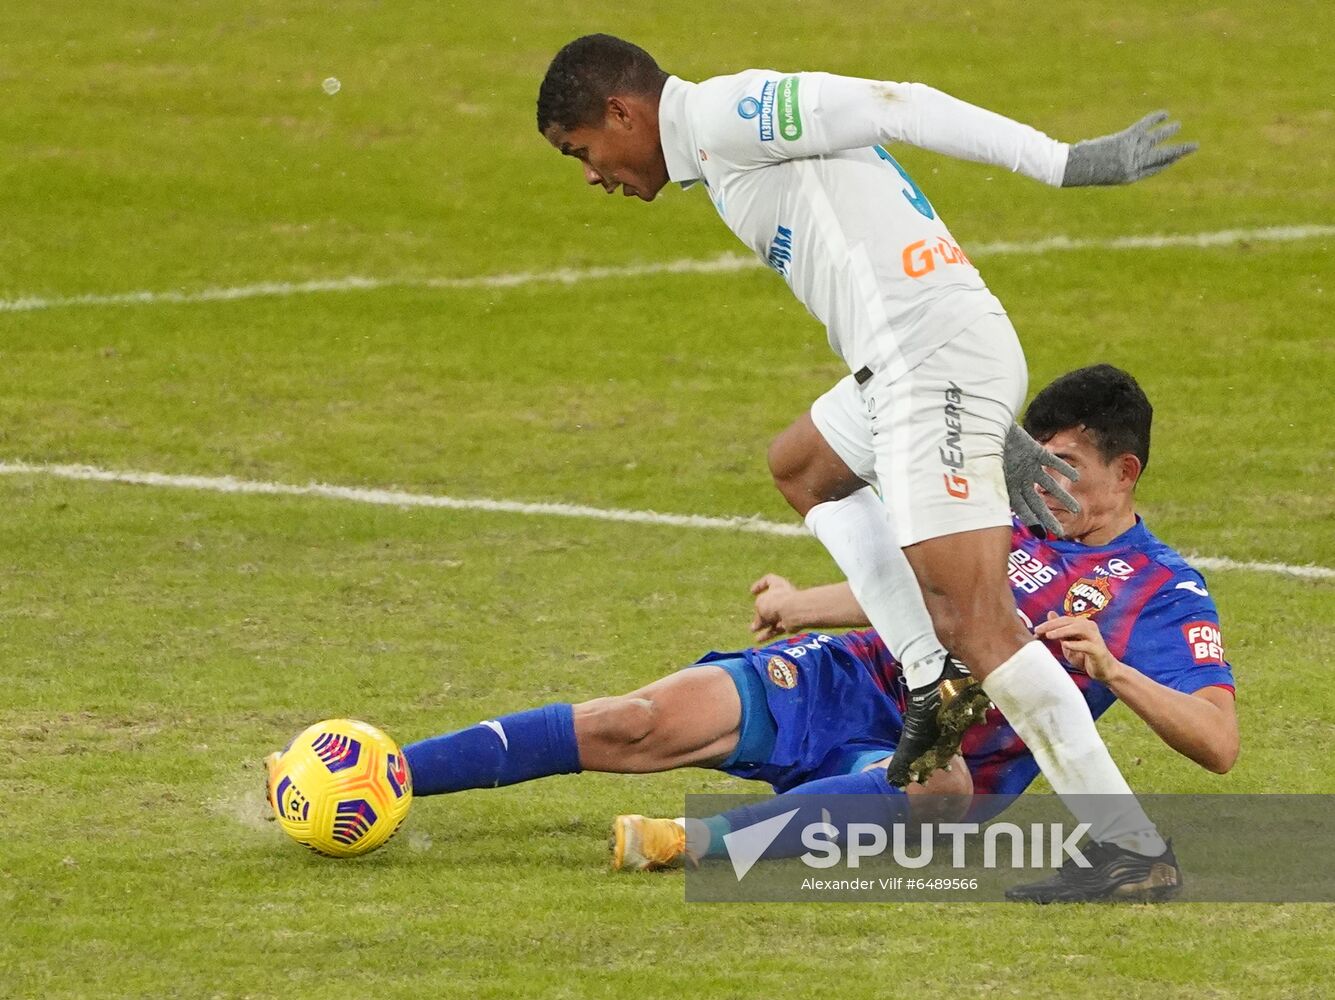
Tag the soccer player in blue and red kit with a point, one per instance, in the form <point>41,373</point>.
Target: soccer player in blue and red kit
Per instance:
<point>821,713</point>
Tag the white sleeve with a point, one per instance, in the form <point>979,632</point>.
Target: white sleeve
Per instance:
<point>818,113</point>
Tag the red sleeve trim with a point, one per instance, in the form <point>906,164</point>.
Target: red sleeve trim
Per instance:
<point>1227,687</point>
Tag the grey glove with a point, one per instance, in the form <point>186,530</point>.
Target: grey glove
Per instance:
<point>1130,155</point>
<point>1026,463</point>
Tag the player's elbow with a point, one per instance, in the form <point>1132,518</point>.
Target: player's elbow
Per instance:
<point>1223,755</point>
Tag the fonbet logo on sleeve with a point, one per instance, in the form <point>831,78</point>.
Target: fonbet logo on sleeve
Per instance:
<point>1206,642</point>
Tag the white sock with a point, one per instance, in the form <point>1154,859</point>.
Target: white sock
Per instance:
<point>1044,706</point>
<point>859,536</point>
<point>698,836</point>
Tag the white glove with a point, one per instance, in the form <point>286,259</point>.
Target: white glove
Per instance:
<point>1130,155</point>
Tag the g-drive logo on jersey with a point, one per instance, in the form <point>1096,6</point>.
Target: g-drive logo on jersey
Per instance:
<point>952,452</point>
<point>919,259</point>
<point>750,107</point>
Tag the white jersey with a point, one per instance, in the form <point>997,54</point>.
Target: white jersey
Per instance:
<point>794,165</point>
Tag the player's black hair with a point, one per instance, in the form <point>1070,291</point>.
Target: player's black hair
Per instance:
<point>1105,402</point>
<point>586,73</point>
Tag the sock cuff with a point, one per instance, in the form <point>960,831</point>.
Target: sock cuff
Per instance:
<point>816,514</point>
<point>718,827</point>
<point>1028,678</point>
<point>560,719</point>
<point>864,499</point>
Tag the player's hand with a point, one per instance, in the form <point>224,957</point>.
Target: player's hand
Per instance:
<point>1082,645</point>
<point>773,594</point>
<point>1026,464</point>
<point>1130,155</point>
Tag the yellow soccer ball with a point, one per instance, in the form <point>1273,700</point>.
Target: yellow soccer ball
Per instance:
<point>341,788</point>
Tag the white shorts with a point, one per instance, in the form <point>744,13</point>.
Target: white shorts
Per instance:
<point>932,440</point>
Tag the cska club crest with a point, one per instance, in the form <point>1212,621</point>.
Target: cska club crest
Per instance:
<point>782,673</point>
<point>1087,597</point>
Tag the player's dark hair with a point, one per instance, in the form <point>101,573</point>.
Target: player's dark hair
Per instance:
<point>1105,402</point>
<point>586,73</point>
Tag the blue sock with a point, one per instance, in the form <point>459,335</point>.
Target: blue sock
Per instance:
<point>504,751</point>
<point>879,802</point>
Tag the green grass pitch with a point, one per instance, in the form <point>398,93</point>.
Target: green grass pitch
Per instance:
<point>157,642</point>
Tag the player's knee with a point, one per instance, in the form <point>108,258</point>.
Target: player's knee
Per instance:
<point>946,797</point>
<point>787,465</point>
<point>956,783</point>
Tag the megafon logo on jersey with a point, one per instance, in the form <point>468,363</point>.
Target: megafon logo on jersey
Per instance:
<point>1206,642</point>
<point>1087,597</point>
<point>790,112</point>
<point>920,258</point>
<point>952,452</point>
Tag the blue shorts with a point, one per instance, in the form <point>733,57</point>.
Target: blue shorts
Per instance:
<point>758,730</point>
<point>810,708</point>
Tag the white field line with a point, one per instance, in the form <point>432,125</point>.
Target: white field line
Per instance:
<point>570,276</point>
<point>399,498</point>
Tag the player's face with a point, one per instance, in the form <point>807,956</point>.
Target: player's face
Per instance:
<point>1104,487</point>
<point>623,151</point>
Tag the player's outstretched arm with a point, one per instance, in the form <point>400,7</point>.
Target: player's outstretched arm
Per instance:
<point>820,113</point>
<point>1130,155</point>
<point>1202,726</point>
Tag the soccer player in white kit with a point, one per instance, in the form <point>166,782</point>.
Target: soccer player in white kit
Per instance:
<point>794,165</point>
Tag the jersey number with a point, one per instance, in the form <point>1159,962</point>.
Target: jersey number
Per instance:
<point>913,194</point>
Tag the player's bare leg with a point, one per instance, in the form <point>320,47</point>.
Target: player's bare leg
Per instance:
<point>964,584</point>
<point>973,613</point>
<point>806,470</point>
<point>691,718</point>
<point>963,581</point>
<point>850,521</point>
<point>688,719</point>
